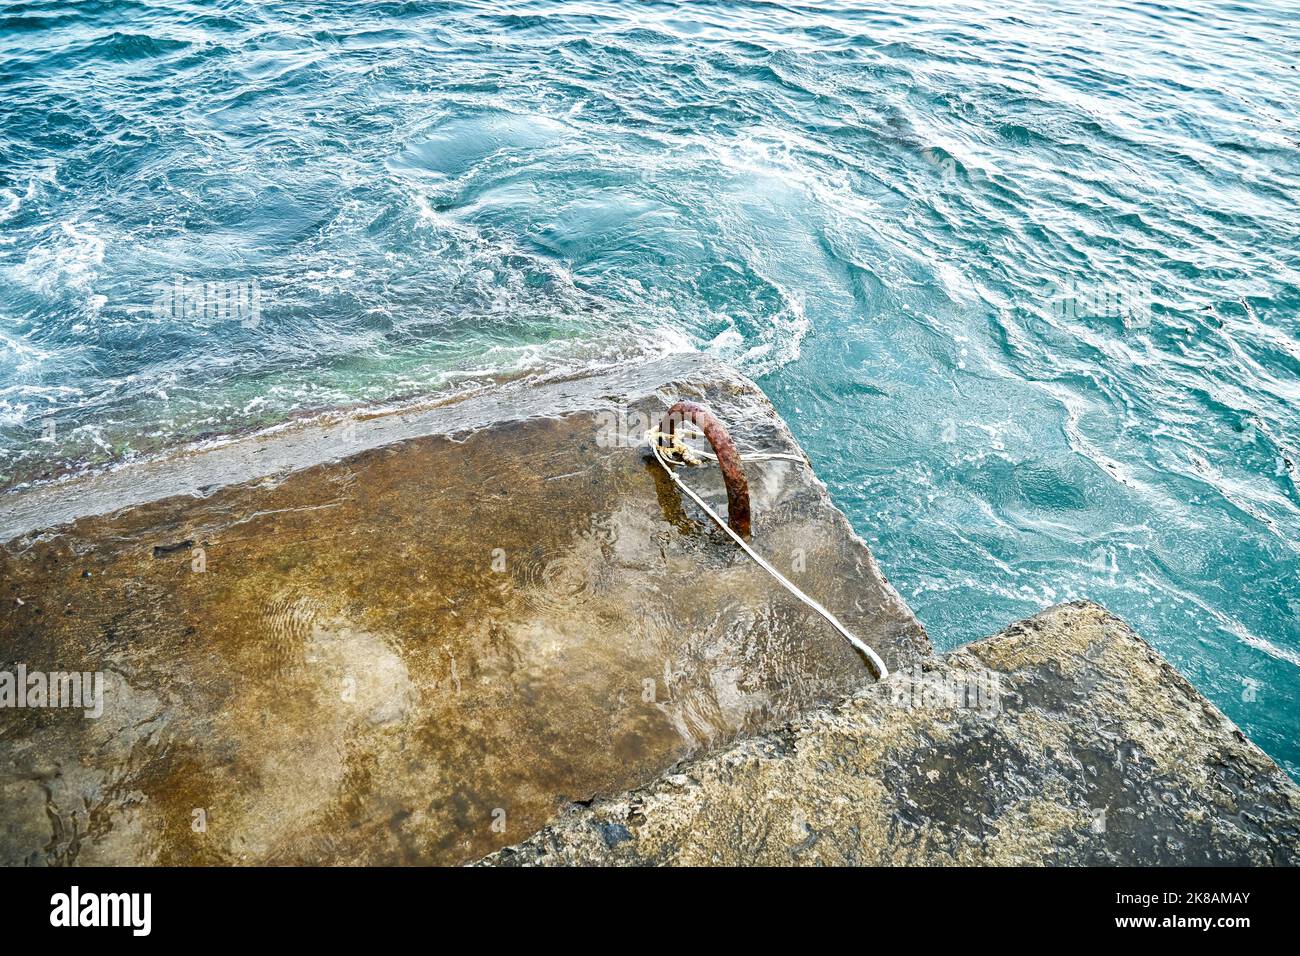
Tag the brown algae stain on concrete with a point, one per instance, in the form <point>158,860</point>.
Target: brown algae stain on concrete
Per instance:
<point>415,654</point>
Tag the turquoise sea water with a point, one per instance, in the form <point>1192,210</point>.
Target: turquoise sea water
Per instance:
<point>1023,277</point>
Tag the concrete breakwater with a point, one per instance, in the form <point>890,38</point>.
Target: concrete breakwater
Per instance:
<point>412,637</point>
<point>490,626</point>
<point>1066,739</point>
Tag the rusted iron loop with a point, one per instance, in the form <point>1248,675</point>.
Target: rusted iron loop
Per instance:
<point>733,475</point>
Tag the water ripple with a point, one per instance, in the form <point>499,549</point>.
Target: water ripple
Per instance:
<point>1024,283</point>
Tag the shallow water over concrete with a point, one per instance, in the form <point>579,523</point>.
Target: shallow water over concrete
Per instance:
<point>421,651</point>
<point>1064,740</point>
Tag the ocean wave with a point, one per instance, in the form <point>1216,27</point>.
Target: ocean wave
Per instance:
<point>1025,290</point>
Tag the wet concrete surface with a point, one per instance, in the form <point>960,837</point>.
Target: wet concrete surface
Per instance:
<point>412,637</point>
<point>1064,740</point>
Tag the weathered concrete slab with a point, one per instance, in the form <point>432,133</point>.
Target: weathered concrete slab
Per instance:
<point>411,637</point>
<point>1066,739</point>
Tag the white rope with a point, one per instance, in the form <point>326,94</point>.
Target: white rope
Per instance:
<point>878,665</point>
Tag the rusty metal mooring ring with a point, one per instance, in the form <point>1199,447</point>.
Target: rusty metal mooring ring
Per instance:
<point>733,475</point>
